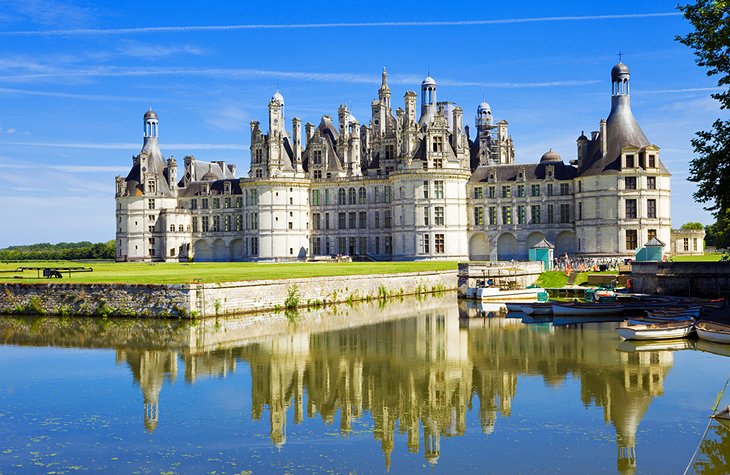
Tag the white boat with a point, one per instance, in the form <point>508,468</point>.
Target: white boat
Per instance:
<point>711,331</point>
<point>656,331</point>
<point>495,294</point>
<point>587,309</point>
<point>659,319</point>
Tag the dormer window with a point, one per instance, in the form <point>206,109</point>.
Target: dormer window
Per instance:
<point>258,156</point>
<point>438,144</point>
<point>317,157</point>
<point>630,161</point>
<point>549,171</point>
<point>206,188</point>
<point>227,188</point>
<point>652,161</point>
<point>151,186</point>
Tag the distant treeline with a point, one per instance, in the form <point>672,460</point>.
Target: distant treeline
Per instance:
<point>61,251</point>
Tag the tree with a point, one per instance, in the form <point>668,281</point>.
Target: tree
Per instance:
<point>693,225</point>
<point>710,41</point>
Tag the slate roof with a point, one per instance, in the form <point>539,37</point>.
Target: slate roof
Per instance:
<point>533,171</point>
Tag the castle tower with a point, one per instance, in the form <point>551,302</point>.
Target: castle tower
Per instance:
<point>384,91</point>
<point>428,99</point>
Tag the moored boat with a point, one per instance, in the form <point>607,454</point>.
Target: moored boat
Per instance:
<point>587,309</point>
<point>723,417</point>
<point>537,308</point>
<point>659,319</point>
<point>495,294</point>
<point>656,331</point>
<point>712,331</point>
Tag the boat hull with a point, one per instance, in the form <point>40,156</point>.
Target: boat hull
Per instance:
<point>654,332</point>
<point>586,310</point>
<point>491,294</point>
<point>714,332</point>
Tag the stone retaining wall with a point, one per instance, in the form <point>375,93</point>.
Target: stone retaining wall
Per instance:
<point>694,279</point>
<point>205,300</point>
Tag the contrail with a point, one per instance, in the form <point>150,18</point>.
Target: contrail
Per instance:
<point>293,26</point>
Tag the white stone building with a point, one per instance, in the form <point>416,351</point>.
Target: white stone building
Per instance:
<point>405,186</point>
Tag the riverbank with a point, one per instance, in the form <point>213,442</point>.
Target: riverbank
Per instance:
<point>193,300</point>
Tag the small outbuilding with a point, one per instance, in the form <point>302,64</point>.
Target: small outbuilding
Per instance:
<point>543,251</point>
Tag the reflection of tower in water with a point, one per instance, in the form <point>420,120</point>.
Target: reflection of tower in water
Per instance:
<point>150,368</point>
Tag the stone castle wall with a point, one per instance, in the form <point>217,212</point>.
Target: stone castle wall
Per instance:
<point>692,279</point>
<point>206,300</point>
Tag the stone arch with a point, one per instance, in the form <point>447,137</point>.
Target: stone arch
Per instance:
<point>218,250</point>
<point>507,247</point>
<point>201,250</point>
<point>533,239</point>
<point>479,247</point>
<point>565,243</point>
<point>236,248</point>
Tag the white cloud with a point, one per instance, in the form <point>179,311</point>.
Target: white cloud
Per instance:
<point>68,95</point>
<point>130,146</point>
<point>291,26</point>
<point>138,49</point>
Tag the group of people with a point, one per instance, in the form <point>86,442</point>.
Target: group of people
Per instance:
<point>585,264</point>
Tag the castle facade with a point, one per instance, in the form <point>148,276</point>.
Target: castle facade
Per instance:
<point>408,185</point>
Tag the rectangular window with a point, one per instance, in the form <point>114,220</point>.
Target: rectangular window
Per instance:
<point>353,220</point>
<point>205,224</point>
<point>389,151</point>
<point>255,246</point>
<point>317,157</point>
<point>195,224</point>
<point>151,204</point>
<point>492,215</point>
<point>227,222</point>
<point>341,221</point>
<point>438,144</point>
<point>205,203</point>
<point>326,197</point>
<point>254,220</point>
<point>580,210</point>
<point>426,216</point>
<point>439,243</point>
<point>388,244</point>
<point>630,182</point>
<point>315,197</point>
<point>151,228</point>
<point>376,193</point>
<point>651,208</point>
<point>388,191</point>
<point>564,213</point>
<point>216,223</point>
<point>630,209</point>
<point>686,244</point>
<point>426,243</point>
<point>506,215</point>
<point>551,214</point>
<point>651,234</point>
<point>550,189</point>
<point>193,204</point>
<point>694,244</point>
<point>478,193</point>
<point>535,214</point>
<point>363,220</point>
<point>377,244</point>
<point>239,201</point>
<point>387,219</point>
<point>438,215</point>
<point>652,161</point>
<point>521,215</point>
<point>327,221</point>
<point>631,239</point>
<point>377,220</point>
<point>506,192</point>
<point>216,203</point>
<point>535,190</point>
<point>492,191</point>
<point>651,182</point>
<point>227,202</point>
<point>564,189</point>
<point>316,221</point>
<point>239,222</point>
<point>438,189</point>
<point>520,190</point>
<point>342,245</point>
<point>630,163</point>
<point>478,216</point>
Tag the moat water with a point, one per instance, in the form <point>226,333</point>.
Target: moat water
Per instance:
<point>406,386</point>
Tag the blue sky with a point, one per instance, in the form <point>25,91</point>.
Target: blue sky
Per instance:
<point>76,78</point>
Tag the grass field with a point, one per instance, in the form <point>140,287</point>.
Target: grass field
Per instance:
<point>213,272</point>
<point>714,257</point>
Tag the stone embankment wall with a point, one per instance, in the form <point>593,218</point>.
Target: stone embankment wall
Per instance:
<point>520,274</point>
<point>694,279</point>
<point>206,300</point>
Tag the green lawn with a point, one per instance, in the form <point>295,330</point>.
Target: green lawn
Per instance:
<point>212,272</point>
<point>714,257</point>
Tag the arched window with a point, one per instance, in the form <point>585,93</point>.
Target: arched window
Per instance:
<point>180,228</point>
<point>362,196</point>
<point>351,196</point>
<point>341,197</point>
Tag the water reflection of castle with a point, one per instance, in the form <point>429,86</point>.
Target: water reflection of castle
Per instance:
<point>419,376</point>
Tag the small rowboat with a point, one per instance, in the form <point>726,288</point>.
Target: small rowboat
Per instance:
<point>659,319</point>
<point>656,331</point>
<point>712,331</point>
<point>587,309</point>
